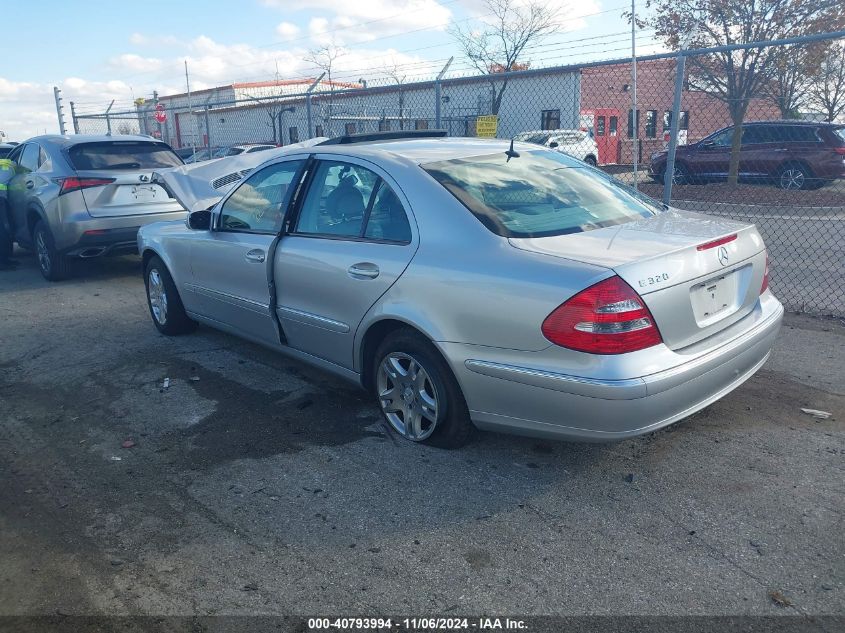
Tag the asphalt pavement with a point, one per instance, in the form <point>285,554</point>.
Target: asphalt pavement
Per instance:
<point>206,475</point>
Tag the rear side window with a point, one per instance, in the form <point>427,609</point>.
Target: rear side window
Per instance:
<point>29,159</point>
<point>537,194</point>
<point>122,155</point>
<point>840,132</point>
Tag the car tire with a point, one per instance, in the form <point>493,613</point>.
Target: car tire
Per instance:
<point>591,161</point>
<point>53,265</point>
<point>795,176</point>
<point>164,302</point>
<point>426,404</point>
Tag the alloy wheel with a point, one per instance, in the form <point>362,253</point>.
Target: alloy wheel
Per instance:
<point>407,396</point>
<point>679,176</point>
<point>43,252</point>
<point>792,178</point>
<point>157,296</point>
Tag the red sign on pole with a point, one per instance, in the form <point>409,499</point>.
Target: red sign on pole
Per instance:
<point>160,115</point>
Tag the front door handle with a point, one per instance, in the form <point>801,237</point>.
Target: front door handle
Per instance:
<point>363,270</point>
<point>256,256</point>
<point>29,184</point>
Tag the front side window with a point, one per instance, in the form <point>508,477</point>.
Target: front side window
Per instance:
<point>258,204</point>
<point>536,195</point>
<point>346,200</point>
<point>122,155</point>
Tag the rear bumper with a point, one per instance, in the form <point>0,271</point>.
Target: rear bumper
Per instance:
<point>538,402</point>
<point>84,236</point>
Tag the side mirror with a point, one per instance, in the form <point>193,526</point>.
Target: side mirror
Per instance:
<point>199,220</point>
<point>554,144</point>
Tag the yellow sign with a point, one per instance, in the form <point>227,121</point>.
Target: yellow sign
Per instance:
<point>487,125</point>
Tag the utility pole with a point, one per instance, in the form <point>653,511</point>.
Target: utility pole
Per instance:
<point>57,94</point>
<point>635,120</point>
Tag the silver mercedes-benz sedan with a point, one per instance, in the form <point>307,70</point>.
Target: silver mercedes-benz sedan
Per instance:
<point>473,283</point>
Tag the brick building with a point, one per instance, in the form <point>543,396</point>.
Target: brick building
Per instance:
<point>606,108</point>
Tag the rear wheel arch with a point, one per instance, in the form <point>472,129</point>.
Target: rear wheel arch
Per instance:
<point>375,334</point>
<point>34,215</point>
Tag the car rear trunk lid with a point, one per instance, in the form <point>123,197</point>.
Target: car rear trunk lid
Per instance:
<point>128,193</point>
<point>697,274</point>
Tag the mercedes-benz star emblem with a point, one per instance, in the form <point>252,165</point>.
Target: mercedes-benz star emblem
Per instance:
<point>723,256</point>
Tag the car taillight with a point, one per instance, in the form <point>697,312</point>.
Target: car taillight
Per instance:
<point>75,184</point>
<point>606,318</point>
<point>765,285</point>
<point>839,150</point>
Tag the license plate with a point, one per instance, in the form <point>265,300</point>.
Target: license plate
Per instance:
<point>144,193</point>
<point>715,298</point>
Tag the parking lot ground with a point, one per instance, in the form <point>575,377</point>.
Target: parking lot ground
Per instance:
<point>256,485</point>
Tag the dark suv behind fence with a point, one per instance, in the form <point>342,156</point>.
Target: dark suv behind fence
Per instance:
<point>788,154</point>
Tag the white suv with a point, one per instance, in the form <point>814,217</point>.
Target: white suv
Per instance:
<point>576,143</point>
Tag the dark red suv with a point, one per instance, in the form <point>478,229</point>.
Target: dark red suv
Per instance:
<point>789,154</point>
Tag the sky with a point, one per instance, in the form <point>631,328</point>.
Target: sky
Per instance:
<point>97,51</point>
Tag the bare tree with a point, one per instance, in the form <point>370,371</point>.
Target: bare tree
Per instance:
<point>497,48</point>
<point>395,72</point>
<point>791,78</point>
<point>736,77</point>
<point>827,90</point>
<point>324,58</point>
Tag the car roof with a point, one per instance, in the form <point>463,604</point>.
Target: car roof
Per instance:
<point>70,140</point>
<point>793,122</point>
<point>423,150</point>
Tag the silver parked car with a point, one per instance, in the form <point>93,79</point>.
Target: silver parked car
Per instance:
<point>86,196</point>
<point>472,283</point>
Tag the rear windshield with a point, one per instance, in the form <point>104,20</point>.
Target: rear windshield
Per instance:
<point>122,155</point>
<point>538,194</point>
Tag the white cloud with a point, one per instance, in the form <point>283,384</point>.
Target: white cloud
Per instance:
<point>287,30</point>
<point>135,63</point>
<point>366,20</point>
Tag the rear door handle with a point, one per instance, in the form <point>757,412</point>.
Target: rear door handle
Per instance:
<point>363,270</point>
<point>256,255</point>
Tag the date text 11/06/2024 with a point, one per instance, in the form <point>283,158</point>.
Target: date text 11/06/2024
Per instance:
<point>415,624</point>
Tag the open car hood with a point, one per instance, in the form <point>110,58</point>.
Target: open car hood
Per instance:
<point>200,186</point>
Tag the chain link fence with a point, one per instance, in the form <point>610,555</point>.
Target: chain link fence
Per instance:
<point>730,154</point>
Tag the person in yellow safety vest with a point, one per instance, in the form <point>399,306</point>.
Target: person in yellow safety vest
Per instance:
<point>7,171</point>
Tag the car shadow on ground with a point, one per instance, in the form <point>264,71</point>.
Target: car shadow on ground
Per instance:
<point>24,273</point>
